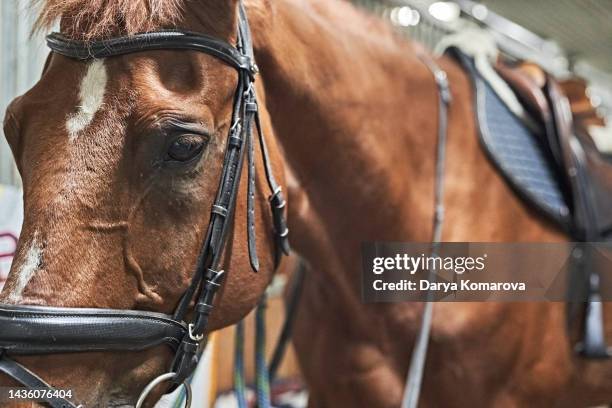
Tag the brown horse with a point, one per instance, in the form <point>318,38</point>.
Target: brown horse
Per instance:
<point>350,114</point>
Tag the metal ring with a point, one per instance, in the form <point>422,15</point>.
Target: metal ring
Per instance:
<point>188,394</point>
<point>192,336</point>
<point>248,91</point>
<point>163,378</point>
<point>235,124</point>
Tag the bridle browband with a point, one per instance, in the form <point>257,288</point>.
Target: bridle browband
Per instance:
<point>34,330</point>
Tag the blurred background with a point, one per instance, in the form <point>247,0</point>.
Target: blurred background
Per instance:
<point>565,37</point>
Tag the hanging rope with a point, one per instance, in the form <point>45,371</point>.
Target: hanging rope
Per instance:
<point>239,384</point>
<point>262,379</point>
<point>284,338</point>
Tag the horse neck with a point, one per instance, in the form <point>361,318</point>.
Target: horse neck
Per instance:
<point>355,111</point>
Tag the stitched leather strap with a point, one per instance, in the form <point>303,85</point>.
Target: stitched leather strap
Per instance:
<point>251,109</point>
<point>161,40</point>
<point>43,330</point>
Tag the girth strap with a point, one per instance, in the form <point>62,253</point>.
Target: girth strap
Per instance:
<point>28,379</point>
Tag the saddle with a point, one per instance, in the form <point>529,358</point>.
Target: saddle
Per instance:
<point>586,174</point>
<point>554,166</point>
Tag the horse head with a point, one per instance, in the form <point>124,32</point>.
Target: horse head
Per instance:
<point>122,156</point>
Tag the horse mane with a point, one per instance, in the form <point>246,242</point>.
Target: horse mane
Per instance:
<point>88,20</point>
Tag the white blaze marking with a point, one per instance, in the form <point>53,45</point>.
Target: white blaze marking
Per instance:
<point>27,269</point>
<point>91,96</point>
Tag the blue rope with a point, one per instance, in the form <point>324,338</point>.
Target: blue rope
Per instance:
<point>180,401</point>
<point>262,378</point>
<point>239,385</point>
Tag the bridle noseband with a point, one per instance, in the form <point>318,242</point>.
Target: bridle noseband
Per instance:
<point>29,330</point>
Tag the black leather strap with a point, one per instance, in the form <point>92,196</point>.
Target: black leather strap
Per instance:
<point>276,199</point>
<point>42,330</point>
<point>244,33</point>
<point>416,370</point>
<point>251,109</point>
<point>28,379</point>
<point>161,40</point>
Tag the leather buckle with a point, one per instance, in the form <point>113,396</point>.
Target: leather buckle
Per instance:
<point>220,210</point>
<point>235,141</point>
<point>185,361</point>
<point>277,204</point>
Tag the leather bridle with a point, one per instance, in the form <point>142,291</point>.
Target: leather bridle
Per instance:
<point>34,330</point>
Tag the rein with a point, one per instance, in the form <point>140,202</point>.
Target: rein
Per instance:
<point>412,388</point>
<point>29,330</point>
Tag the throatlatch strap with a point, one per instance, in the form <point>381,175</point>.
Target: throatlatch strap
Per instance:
<point>277,201</point>
<point>251,108</point>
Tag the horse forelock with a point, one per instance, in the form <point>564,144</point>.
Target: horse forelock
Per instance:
<point>90,20</point>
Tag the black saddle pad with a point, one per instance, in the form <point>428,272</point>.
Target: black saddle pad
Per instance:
<point>516,151</point>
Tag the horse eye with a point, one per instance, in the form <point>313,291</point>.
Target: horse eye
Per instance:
<point>185,148</point>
